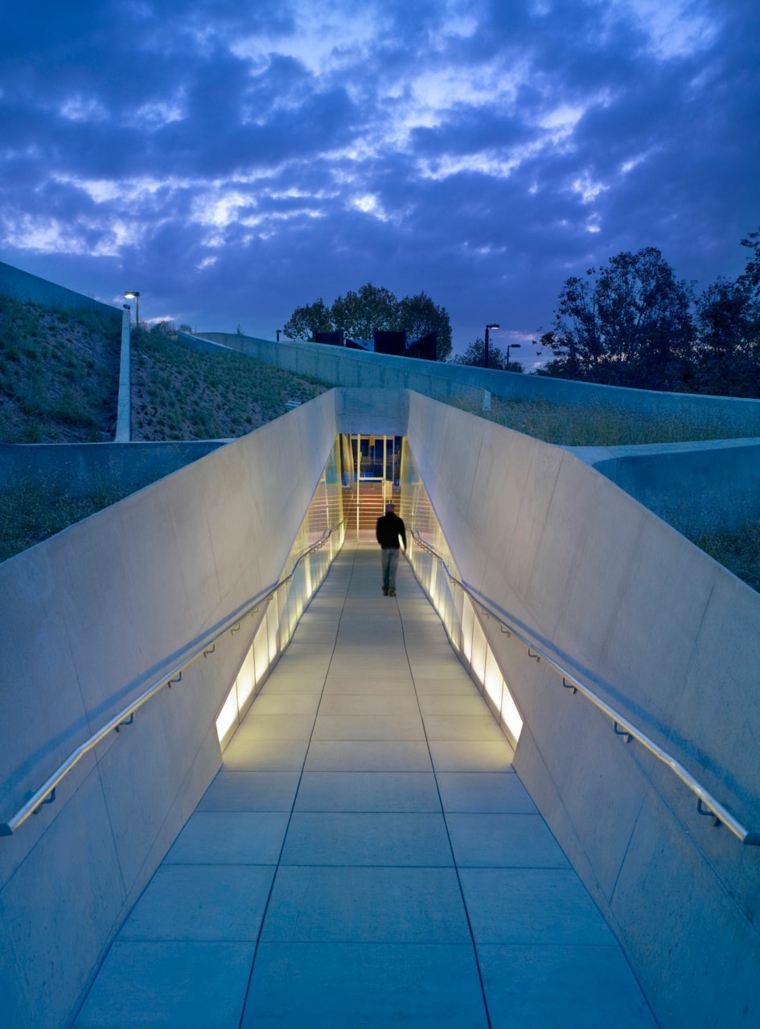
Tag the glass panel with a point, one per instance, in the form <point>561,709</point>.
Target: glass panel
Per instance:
<point>245,680</point>
<point>460,619</point>
<point>283,610</point>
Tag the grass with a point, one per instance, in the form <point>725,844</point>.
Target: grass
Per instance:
<point>31,513</point>
<point>596,426</point>
<point>182,394</point>
<point>58,374</point>
<point>737,549</point>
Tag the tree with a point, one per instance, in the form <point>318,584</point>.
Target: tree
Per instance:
<point>627,324</point>
<point>307,320</point>
<point>419,315</point>
<point>728,324</point>
<point>357,314</point>
<point>497,358</point>
<point>371,307</point>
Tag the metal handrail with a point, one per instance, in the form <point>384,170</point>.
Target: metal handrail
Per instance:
<point>230,623</point>
<point>707,804</point>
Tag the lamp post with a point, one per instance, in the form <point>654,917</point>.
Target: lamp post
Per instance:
<point>278,331</point>
<point>134,294</point>
<point>512,346</point>
<point>485,346</point>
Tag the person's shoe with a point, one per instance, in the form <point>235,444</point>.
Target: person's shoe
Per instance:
<point>385,590</point>
<point>391,593</point>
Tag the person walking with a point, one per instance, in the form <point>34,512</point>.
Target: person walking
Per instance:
<point>388,530</point>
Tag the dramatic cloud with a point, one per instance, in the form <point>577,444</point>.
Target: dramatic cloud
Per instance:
<point>233,163</point>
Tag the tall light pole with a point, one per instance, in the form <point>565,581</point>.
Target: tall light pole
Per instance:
<point>134,294</point>
<point>486,341</point>
<point>512,346</point>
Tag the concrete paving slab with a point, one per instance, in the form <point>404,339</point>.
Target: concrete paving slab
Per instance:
<point>373,985</point>
<point>378,669</point>
<point>247,754</point>
<point>368,756</point>
<point>471,756</point>
<point>484,791</point>
<point>369,704</point>
<point>588,987</point>
<point>330,838</point>
<point>284,704</point>
<point>504,840</point>
<point>396,685</point>
<point>449,669</point>
<point>459,686</point>
<point>462,727</point>
<point>173,985</point>
<point>275,727</point>
<point>368,791</point>
<point>288,684</point>
<point>369,727</point>
<point>250,791</point>
<point>531,905</point>
<point>464,704</point>
<point>230,837</point>
<point>201,902</point>
<point>366,905</point>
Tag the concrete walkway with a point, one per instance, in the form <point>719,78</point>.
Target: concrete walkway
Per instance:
<point>367,856</point>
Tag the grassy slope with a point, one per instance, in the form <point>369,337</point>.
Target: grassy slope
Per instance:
<point>590,426</point>
<point>180,394</point>
<point>58,375</point>
<point>177,394</point>
<point>739,551</point>
<point>30,513</point>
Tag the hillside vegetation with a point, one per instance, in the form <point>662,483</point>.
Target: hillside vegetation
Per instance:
<point>590,425</point>
<point>183,394</point>
<point>59,374</point>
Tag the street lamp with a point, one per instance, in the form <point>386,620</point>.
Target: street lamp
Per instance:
<point>513,346</point>
<point>134,294</point>
<point>278,331</point>
<point>485,347</point>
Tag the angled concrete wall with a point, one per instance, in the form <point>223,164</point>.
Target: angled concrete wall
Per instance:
<point>669,637</point>
<point>23,285</point>
<point>87,620</point>
<point>441,380</point>
<point>697,487</point>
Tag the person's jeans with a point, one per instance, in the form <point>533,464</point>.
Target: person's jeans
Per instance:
<point>390,564</point>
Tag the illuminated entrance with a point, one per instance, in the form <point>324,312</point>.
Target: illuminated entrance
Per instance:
<point>371,473</point>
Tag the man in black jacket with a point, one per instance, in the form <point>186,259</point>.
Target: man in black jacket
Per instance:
<point>389,528</point>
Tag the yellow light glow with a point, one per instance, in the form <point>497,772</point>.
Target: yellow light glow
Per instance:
<point>478,659</point>
<point>261,651</point>
<point>493,680</point>
<point>228,716</point>
<point>246,680</point>
<point>510,715</point>
<point>272,622</point>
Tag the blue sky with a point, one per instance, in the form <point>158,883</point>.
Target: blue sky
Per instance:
<point>232,159</point>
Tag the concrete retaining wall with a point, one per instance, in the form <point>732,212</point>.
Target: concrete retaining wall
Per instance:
<point>697,487</point>
<point>88,618</point>
<point>24,286</point>
<point>124,404</point>
<point>668,636</point>
<point>81,469</point>
<point>342,367</point>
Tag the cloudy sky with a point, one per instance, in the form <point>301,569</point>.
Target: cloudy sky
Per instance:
<point>232,159</point>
